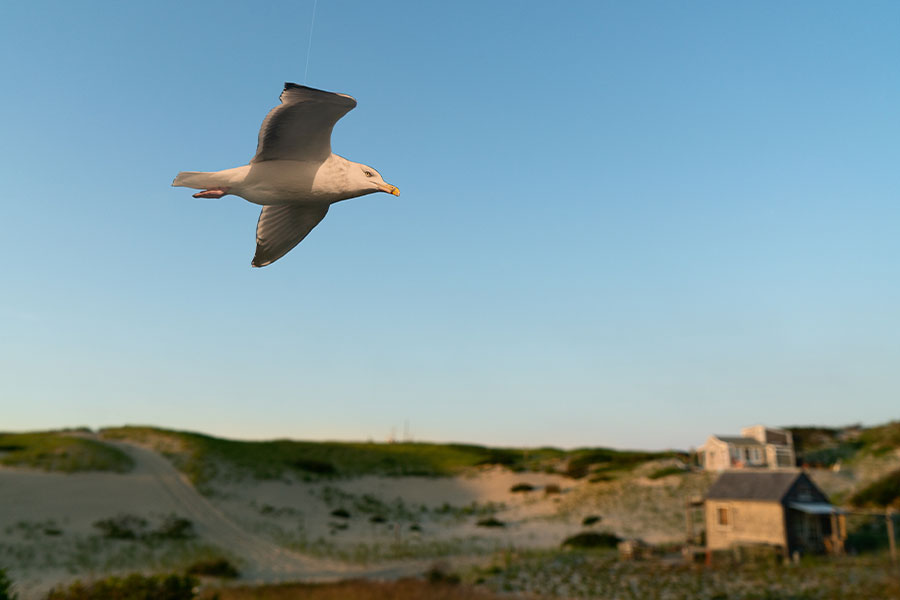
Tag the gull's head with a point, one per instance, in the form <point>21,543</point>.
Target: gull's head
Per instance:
<point>371,181</point>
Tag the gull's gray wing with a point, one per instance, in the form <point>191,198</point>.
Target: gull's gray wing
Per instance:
<point>281,227</point>
<point>300,127</point>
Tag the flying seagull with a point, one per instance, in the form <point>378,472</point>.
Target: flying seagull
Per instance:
<point>294,175</point>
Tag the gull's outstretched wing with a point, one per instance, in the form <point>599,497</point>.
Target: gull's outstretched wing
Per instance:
<point>281,227</point>
<point>300,127</point>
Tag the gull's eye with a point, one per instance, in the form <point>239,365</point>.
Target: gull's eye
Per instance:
<point>368,173</point>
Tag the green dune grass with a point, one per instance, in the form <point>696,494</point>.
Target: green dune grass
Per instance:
<point>60,451</point>
<point>204,457</point>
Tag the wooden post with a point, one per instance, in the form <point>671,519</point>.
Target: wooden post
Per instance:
<point>842,532</point>
<point>689,520</point>
<point>834,534</point>
<point>889,518</point>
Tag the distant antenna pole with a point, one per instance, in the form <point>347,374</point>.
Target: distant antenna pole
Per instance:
<point>309,45</point>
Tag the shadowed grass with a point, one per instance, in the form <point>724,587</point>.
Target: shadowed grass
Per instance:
<point>883,492</point>
<point>59,451</point>
<point>605,461</point>
<point>825,446</point>
<point>881,439</point>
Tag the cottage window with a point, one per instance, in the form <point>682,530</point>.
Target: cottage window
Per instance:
<point>755,455</point>
<point>723,517</point>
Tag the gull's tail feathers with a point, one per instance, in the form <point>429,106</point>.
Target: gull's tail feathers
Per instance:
<point>200,180</point>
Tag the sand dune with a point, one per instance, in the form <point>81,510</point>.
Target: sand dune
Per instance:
<point>290,528</point>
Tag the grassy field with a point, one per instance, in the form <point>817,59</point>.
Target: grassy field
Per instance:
<point>60,451</point>
<point>602,575</point>
<point>203,457</point>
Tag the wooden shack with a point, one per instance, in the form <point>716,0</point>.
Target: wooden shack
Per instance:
<point>784,509</point>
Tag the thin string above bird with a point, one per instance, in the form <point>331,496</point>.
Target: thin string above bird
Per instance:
<point>309,44</point>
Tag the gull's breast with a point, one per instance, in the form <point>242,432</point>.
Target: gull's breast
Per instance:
<point>279,182</point>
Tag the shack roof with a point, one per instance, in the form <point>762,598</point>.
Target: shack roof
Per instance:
<point>739,441</point>
<point>752,485</point>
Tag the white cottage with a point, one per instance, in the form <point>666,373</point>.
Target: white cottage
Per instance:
<point>757,446</point>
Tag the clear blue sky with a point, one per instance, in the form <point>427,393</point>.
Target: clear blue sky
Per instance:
<point>621,223</point>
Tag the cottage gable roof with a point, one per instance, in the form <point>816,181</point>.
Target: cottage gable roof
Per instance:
<point>738,441</point>
<point>753,485</point>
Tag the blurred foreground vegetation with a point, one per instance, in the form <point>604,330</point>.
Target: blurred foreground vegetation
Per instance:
<point>536,575</point>
<point>601,574</point>
<point>132,587</point>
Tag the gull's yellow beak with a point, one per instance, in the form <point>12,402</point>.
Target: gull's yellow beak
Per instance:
<point>389,189</point>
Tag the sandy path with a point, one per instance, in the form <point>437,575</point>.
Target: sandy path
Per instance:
<point>264,561</point>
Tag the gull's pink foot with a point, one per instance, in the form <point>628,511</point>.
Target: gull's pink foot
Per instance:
<point>216,193</point>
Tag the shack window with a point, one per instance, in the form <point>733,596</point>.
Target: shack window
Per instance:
<point>723,517</point>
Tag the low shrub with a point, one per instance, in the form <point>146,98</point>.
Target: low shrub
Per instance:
<point>133,587</point>
<point>317,467</point>
<point>491,522</point>
<point>552,488</point>
<point>592,539</point>
<point>438,574</point>
<point>122,527</point>
<point>498,456</point>
<point>521,487</point>
<point>174,527</point>
<point>665,472</point>
<point>6,587</point>
<point>377,519</point>
<point>591,520</point>
<point>867,534</point>
<point>214,567</point>
<point>132,527</point>
<point>340,513</point>
<point>827,457</point>
<point>583,462</point>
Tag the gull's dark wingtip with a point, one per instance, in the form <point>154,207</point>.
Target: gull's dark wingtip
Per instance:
<point>320,95</point>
